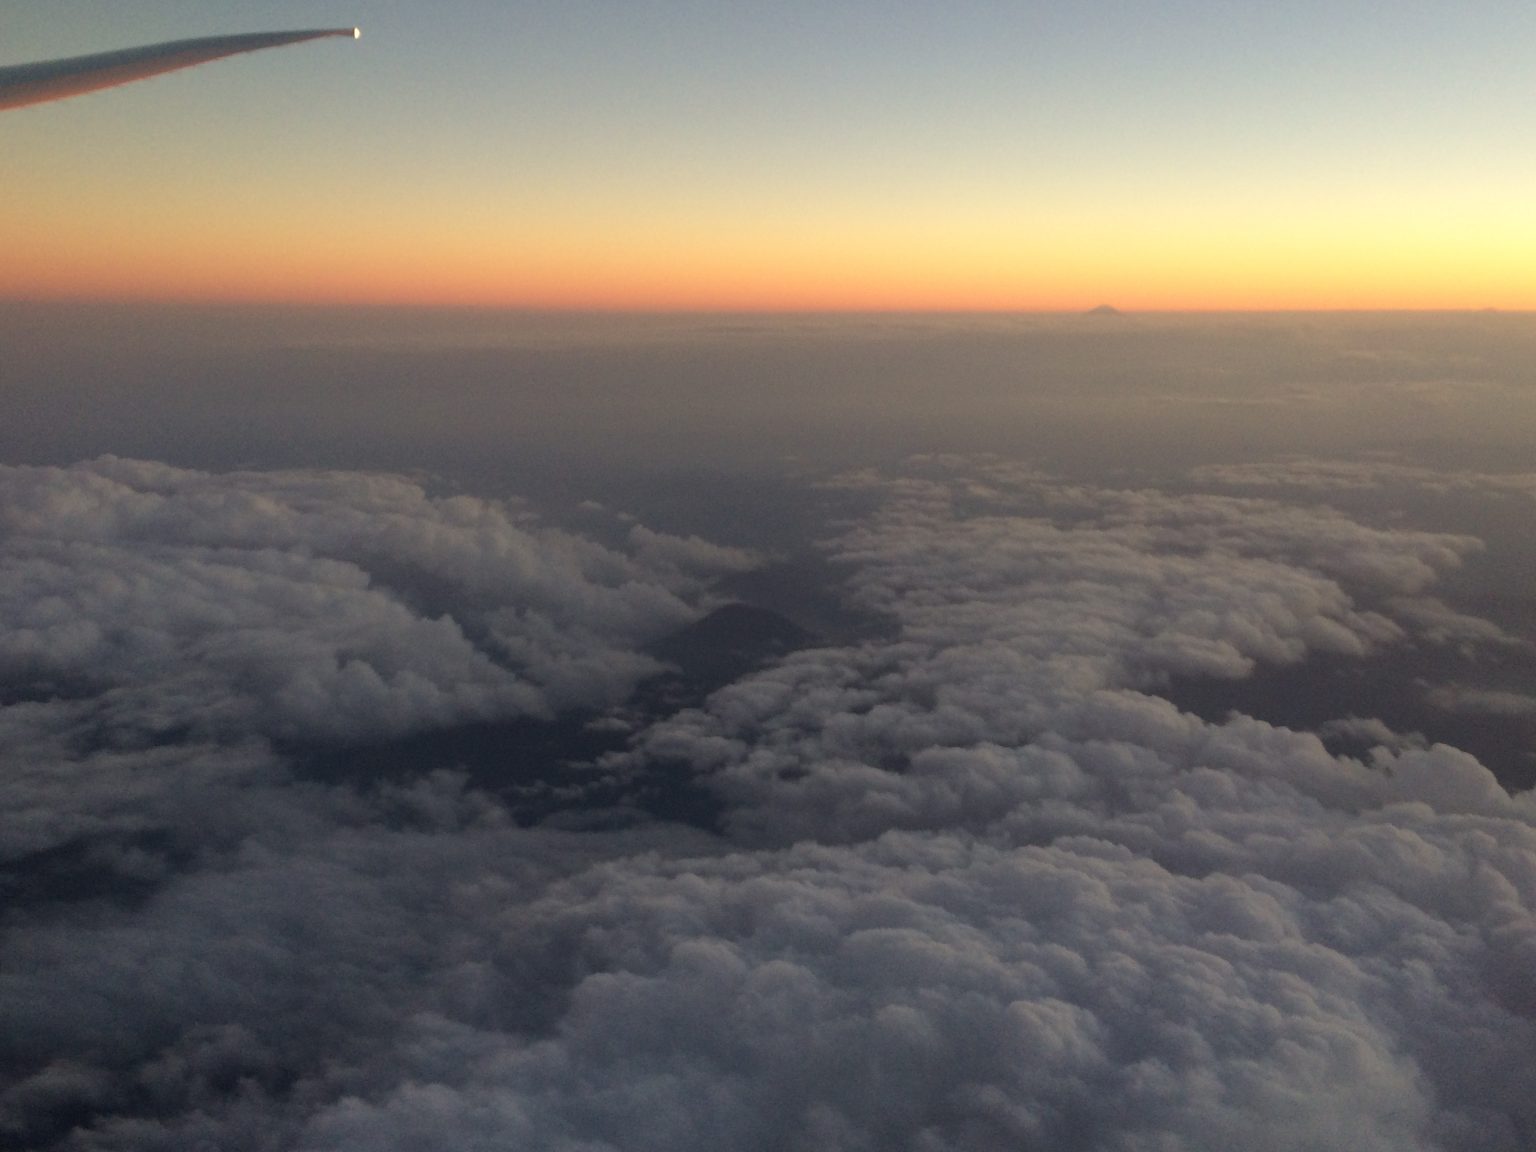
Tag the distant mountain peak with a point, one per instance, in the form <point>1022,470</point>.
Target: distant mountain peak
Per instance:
<point>1104,310</point>
<point>729,642</point>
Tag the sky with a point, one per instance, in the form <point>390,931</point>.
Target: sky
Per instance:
<point>842,156</point>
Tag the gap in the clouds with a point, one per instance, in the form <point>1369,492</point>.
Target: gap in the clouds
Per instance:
<point>537,769</point>
<point>1392,685</point>
<point>29,688</point>
<point>557,771</point>
<point>123,869</point>
<point>764,507</point>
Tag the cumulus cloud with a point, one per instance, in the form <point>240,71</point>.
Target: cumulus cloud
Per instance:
<point>312,604</point>
<point>1373,474</point>
<point>978,885</point>
<point>1482,701</point>
<point>1027,614</point>
<point>161,628</point>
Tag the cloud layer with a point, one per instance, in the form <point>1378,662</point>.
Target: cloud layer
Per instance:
<point>153,612</point>
<point>978,885</point>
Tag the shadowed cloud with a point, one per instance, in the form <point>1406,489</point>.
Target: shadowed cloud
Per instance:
<point>969,882</point>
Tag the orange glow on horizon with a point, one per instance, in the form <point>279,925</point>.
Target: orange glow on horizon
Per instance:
<point>825,189</point>
<point>384,256</point>
<point>630,290</point>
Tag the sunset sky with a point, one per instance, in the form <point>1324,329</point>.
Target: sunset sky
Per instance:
<point>842,154</point>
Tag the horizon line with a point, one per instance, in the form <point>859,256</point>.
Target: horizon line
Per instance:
<point>1106,312</point>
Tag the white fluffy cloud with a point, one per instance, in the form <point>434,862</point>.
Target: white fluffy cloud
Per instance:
<point>1027,614</point>
<point>316,604</point>
<point>979,887</point>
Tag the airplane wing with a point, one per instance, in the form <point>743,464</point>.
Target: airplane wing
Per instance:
<point>24,84</point>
